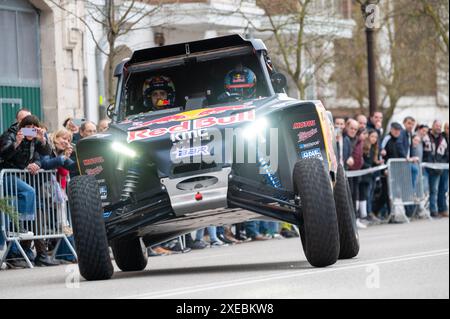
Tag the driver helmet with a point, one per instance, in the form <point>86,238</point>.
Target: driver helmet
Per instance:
<point>163,83</point>
<point>241,81</point>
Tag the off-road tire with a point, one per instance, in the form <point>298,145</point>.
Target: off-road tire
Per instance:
<point>348,232</point>
<point>318,220</point>
<point>128,254</point>
<point>89,229</point>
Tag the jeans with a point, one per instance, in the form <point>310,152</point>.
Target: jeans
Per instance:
<point>64,252</point>
<point>252,228</point>
<point>14,252</point>
<point>442,191</point>
<point>433,181</point>
<point>370,192</point>
<point>26,197</point>
<point>211,231</point>
<point>269,228</point>
<point>2,238</point>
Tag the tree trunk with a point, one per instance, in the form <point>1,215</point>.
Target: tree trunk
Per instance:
<point>111,55</point>
<point>387,114</point>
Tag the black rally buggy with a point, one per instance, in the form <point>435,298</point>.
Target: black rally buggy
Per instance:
<point>213,160</point>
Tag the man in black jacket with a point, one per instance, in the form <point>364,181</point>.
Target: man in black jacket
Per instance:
<point>390,149</point>
<point>435,151</point>
<point>390,145</point>
<point>443,180</point>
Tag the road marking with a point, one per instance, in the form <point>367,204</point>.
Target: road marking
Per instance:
<point>286,275</point>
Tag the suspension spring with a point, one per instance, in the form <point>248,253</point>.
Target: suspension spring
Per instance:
<point>130,184</point>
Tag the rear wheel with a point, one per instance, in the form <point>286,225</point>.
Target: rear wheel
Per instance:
<point>129,254</point>
<point>89,230</point>
<point>318,221</point>
<point>348,232</point>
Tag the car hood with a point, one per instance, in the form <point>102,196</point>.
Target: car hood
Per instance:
<point>168,125</point>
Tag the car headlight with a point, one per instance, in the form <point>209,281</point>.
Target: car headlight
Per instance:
<point>256,129</point>
<point>123,149</point>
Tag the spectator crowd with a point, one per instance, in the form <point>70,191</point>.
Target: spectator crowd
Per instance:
<point>362,144</point>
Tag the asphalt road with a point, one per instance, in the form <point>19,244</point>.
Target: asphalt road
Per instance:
<point>395,261</point>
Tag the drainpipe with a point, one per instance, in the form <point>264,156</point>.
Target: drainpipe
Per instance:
<point>85,96</point>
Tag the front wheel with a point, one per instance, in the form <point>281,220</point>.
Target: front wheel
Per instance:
<point>89,229</point>
<point>318,220</point>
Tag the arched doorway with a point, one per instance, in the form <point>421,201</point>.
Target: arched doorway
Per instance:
<point>20,78</point>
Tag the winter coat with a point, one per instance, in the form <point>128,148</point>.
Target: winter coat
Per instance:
<point>391,147</point>
<point>357,155</point>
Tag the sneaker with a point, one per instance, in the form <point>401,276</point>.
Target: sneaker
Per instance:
<point>178,249</point>
<point>277,236</point>
<point>287,233</point>
<point>45,261</point>
<point>444,214</point>
<point>225,240</point>
<point>198,244</point>
<point>218,243</point>
<point>17,264</point>
<point>152,253</point>
<point>360,225</point>
<point>162,251</point>
<point>241,237</point>
<point>260,238</point>
<point>232,239</point>
<point>373,218</point>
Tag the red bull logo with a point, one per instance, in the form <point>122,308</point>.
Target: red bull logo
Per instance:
<point>196,124</point>
<point>188,116</point>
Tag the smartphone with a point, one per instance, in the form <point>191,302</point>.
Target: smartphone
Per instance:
<point>30,132</point>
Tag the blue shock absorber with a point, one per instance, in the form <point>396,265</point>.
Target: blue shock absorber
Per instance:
<point>271,177</point>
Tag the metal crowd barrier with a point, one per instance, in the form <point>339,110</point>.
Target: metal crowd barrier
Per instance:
<point>50,211</point>
<point>404,188</point>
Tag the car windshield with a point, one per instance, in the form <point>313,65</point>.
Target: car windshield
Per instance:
<point>198,80</point>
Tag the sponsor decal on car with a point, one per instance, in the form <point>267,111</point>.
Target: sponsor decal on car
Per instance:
<point>305,124</point>
<point>188,116</point>
<point>103,192</point>
<point>308,145</point>
<point>93,161</point>
<point>314,153</point>
<point>304,136</point>
<point>194,151</point>
<point>188,135</point>
<point>94,171</point>
<point>186,126</point>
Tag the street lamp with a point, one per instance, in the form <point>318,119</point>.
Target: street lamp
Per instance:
<point>370,12</point>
